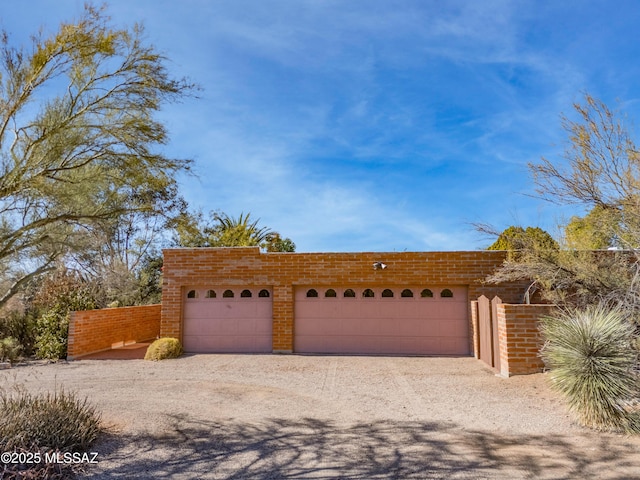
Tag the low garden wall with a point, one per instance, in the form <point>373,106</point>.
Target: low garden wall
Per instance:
<point>520,339</point>
<point>92,331</point>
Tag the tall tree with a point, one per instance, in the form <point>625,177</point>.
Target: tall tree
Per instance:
<point>600,170</point>
<point>79,144</point>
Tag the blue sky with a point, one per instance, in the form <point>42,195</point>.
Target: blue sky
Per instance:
<point>370,125</point>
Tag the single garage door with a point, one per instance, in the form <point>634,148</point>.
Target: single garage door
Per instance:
<point>227,320</point>
<point>396,320</point>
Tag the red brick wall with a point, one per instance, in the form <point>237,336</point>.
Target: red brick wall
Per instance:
<point>285,271</point>
<point>520,338</point>
<point>97,330</point>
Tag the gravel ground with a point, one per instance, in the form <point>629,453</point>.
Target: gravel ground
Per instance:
<point>295,417</point>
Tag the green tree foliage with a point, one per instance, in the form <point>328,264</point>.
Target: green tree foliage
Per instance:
<point>79,144</point>
<point>518,238</point>
<point>595,231</point>
<point>275,243</point>
<point>192,230</point>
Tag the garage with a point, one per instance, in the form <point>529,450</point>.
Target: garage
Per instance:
<point>227,320</point>
<point>406,320</point>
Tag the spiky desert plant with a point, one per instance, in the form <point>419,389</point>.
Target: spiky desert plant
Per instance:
<point>57,420</point>
<point>164,348</point>
<point>590,354</point>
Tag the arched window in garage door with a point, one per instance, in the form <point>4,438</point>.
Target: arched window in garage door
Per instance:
<point>368,293</point>
<point>446,293</point>
<point>312,293</point>
<point>331,293</point>
<point>402,324</point>
<point>192,294</point>
<point>264,293</point>
<point>228,294</point>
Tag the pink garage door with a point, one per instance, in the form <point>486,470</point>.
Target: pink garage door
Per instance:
<point>429,320</point>
<point>227,319</point>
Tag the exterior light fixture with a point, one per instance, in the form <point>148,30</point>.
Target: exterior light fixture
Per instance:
<point>379,266</point>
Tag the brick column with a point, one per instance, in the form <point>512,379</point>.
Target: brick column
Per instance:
<point>283,319</point>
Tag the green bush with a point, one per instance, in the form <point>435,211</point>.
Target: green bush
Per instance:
<point>164,348</point>
<point>56,298</point>
<point>592,359</point>
<point>10,350</point>
<point>53,332</point>
<point>50,421</point>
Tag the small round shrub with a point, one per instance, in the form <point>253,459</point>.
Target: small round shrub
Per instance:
<point>10,350</point>
<point>592,360</point>
<point>164,348</point>
<point>52,421</point>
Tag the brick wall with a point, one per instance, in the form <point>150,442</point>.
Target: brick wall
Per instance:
<point>520,338</point>
<point>283,272</point>
<point>93,331</point>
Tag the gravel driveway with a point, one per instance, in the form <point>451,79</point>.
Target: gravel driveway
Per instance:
<point>295,417</point>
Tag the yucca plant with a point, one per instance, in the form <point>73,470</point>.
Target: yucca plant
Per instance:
<point>592,363</point>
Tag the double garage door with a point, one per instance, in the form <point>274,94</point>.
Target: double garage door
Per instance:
<point>407,320</point>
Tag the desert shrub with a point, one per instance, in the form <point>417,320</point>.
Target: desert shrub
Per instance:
<point>164,348</point>
<point>592,359</point>
<point>51,421</point>
<point>22,327</point>
<point>53,333</point>
<point>10,350</point>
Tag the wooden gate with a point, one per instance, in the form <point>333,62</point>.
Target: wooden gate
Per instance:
<point>489,342</point>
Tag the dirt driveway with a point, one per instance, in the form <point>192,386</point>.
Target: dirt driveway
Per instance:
<point>298,417</point>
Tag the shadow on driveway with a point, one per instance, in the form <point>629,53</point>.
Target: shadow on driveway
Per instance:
<point>316,449</point>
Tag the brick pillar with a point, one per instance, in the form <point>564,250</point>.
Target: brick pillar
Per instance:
<point>171,319</point>
<point>283,319</point>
